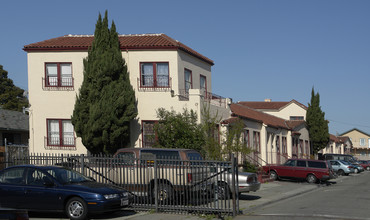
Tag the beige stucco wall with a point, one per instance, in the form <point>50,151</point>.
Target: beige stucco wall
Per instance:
<point>59,104</point>
<point>51,104</point>
<point>355,137</point>
<point>292,109</point>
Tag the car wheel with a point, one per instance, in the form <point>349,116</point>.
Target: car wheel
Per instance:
<point>76,209</point>
<point>356,170</point>
<point>340,172</point>
<point>273,175</point>
<point>223,191</point>
<point>311,178</point>
<point>164,194</point>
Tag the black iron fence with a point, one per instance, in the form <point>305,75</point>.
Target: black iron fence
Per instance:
<point>195,186</point>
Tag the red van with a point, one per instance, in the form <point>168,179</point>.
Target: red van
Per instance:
<point>310,170</point>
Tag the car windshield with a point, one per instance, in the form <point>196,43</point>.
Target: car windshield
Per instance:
<point>67,176</point>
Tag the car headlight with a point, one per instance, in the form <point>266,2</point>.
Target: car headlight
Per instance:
<point>125,194</point>
<point>111,196</point>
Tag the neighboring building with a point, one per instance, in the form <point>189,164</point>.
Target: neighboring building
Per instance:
<point>273,139</point>
<point>14,132</point>
<point>360,142</point>
<point>336,145</point>
<point>13,128</point>
<point>163,72</point>
<point>347,144</point>
<point>292,110</point>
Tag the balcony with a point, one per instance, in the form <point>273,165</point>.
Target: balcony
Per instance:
<point>59,143</point>
<point>216,99</point>
<point>213,99</point>
<point>151,84</point>
<point>65,83</point>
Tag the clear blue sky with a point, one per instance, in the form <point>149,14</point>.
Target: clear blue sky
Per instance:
<point>278,49</point>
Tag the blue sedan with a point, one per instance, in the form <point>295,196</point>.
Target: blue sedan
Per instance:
<point>54,188</point>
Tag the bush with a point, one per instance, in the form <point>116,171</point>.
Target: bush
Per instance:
<point>249,167</point>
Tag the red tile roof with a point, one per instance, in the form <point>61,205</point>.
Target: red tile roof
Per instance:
<point>334,138</point>
<point>258,116</point>
<point>249,113</point>
<point>127,42</point>
<point>270,105</point>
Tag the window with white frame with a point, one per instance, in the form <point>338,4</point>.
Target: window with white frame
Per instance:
<point>154,75</point>
<point>362,142</point>
<point>277,144</point>
<point>203,85</point>
<point>188,81</point>
<point>256,141</point>
<point>60,132</point>
<point>58,75</point>
<point>246,138</point>
<point>295,118</point>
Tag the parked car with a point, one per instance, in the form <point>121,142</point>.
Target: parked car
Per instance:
<point>343,157</point>
<point>357,168</point>
<point>196,175</point>
<point>341,167</point>
<point>248,182</point>
<point>365,164</point>
<point>173,179</point>
<point>54,188</point>
<point>310,170</point>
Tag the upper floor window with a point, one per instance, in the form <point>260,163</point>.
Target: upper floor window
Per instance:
<point>154,75</point>
<point>203,85</point>
<point>58,75</point>
<point>188,81</point>
<point>362,142</point>
<point>296,118</point>
<point>60,133</point>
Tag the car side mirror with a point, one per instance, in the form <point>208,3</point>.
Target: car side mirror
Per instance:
<point>47,182</point>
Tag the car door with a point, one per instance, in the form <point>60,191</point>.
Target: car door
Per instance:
<point>287,170</point>
<point>12,187</point>
<point>39,196</point>
<point>300,169</point>
<point>335,165</point>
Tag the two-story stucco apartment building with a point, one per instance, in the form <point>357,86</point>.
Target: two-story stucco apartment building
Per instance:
<point>275,131</point>
<point>163,72</point>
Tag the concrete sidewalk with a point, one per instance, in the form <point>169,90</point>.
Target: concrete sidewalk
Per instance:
<point>269,193</point>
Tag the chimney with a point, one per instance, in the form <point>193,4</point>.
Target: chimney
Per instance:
<point>267,100</point>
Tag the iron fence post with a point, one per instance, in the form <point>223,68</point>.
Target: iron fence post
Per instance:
<point>155,185</point>
<point>83,164</point>
<point>233,183</point>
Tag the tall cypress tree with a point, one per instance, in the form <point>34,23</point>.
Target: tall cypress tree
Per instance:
<point>317,125</point>
<point>11,96</point>
<point>105,105</point>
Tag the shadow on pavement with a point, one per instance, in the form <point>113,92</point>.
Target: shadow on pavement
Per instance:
<point>60,215</point>
<point>248,197</point>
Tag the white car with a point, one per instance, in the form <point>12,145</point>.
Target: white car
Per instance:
<point>248,182</point>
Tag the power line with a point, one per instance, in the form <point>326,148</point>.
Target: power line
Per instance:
<point>347,123</point>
